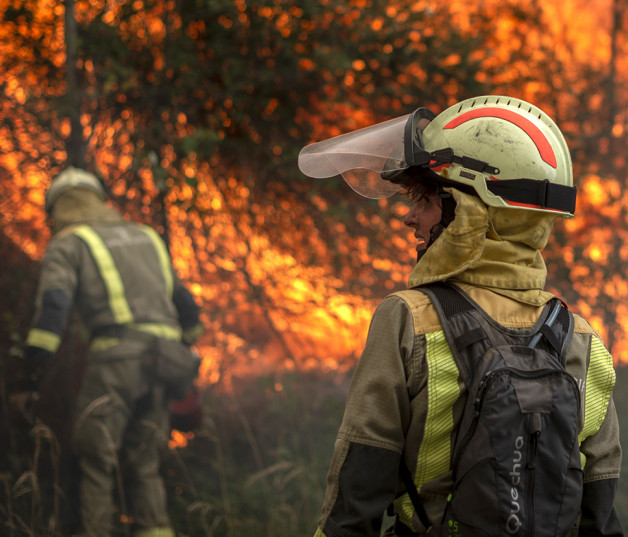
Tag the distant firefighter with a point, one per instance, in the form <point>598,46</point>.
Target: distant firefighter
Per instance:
<point>481,406</point>
<point>119,277</point>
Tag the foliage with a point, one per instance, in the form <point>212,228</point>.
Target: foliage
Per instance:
<point>267,447</point>
<point>193,112</point>
<point>256,465</point>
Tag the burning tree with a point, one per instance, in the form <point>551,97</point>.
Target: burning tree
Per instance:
<point>193,113</point>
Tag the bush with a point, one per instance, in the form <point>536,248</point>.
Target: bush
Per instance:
<point>256,466</point>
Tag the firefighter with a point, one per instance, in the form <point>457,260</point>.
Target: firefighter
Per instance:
<point>118,276</point>
<point>487,178</point>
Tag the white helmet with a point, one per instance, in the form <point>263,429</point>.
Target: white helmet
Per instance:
<point>72,178</point>
<point>506,151</point>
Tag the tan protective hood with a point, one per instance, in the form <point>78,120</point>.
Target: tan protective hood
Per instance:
<point>81,206</point>
<point>494,248</point>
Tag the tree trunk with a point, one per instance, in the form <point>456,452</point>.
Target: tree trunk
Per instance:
<point>75,145</point>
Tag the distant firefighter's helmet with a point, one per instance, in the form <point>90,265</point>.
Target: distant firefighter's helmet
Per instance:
<point>72,178</point>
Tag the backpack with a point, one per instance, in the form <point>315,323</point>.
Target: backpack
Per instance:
<point>516,457</point>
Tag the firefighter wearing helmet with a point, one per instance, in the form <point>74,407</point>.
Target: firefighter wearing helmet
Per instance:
<point>73,178</point>
<point>487,178</point>
<point>119,277</point>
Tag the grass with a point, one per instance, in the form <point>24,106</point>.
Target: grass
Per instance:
<point>256,466</point>
<point>263,456</point>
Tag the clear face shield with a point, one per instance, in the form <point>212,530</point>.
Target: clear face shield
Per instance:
<point>371,159</point>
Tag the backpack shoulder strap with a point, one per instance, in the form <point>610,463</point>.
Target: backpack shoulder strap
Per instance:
<point>447,302</point>
<point>558,329</point>
<point>414,494</point>
<point>450,301</point>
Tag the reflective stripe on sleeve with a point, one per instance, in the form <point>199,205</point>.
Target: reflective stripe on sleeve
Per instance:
<point>599,386</point>
<point>164,257</point>
<point>43,339</point>
<point>111,276</point>
<point>435,452</point>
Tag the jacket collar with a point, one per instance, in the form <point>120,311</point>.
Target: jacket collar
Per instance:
<point>494,248</point>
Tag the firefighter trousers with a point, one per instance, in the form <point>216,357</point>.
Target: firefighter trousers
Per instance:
<point>120,429</point>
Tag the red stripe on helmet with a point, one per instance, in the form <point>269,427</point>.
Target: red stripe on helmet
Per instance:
<point>531,206</point>
<point>537,136</point>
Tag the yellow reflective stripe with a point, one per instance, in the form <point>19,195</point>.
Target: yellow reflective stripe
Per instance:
<point>598,389</point>
<point>103,343</point>
<point>43,339</point>
<point>319,533</point>
<point>154,532</point>
<point>443,391</point>
<point>165,331</point>
<point>164,257</point>
<point>111,276</point>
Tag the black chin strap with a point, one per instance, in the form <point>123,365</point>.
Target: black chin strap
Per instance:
<point>446,156</point>
<point>448,205</point>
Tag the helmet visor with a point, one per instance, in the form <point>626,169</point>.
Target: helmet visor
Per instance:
<point>360,157</point>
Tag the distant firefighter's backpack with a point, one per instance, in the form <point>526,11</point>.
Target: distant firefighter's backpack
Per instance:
<point>516,458</point>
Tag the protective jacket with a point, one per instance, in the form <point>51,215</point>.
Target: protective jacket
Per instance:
<point>119,277</point>
<point>105,266</point>
<point>407,396</point>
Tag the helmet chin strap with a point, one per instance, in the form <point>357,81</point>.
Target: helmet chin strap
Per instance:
<point>448,205</point>
<point>434,234</point>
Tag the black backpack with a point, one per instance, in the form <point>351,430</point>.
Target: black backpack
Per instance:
<point>516,457</point>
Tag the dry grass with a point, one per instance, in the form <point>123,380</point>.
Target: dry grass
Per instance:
<point>257,466</point>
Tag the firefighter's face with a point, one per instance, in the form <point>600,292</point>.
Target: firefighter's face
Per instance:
<point>423,216</point>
